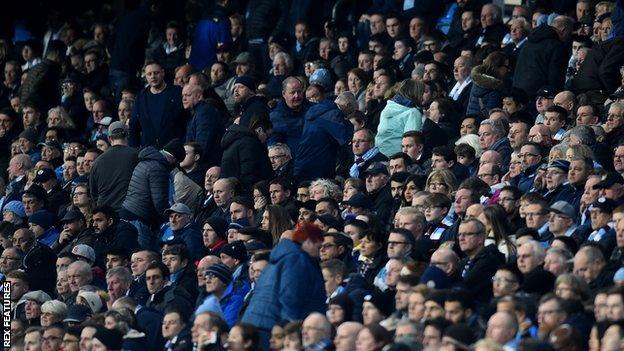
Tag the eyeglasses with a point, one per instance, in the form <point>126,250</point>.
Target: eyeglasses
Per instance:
<point>502,280</point>
<point>4,258</point>
<point>273,158</point>
<point>327,246</point>
<point>527,155</point>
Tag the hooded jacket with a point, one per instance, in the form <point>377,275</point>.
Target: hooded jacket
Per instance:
<point>290,288</point>
<point>485,93</point>
<point>396,119</point>
<point>148,192</point>
<point>244,156</point>
<point>206,128</point>
<point>288,124</point>
<point>542,61</point>
<point>325,130</point>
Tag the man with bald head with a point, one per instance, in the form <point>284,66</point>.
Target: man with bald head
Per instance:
<point>316,332</point>
<point>502,328</point>
<point>346,333</point>
<point>492,157</point>
<point>19,165</point>
<point>39,261</point>
<point>446,260</point>
<point>540,134</point>
<point>565,99</point>
<point>206,125</point>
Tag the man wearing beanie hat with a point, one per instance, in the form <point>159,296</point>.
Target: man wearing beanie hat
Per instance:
<point>147,197</point>
<point>158,111</point>
<point>107,339</point>
<point>215,234</point>
<point>291,286</point>
<point>460,335</point>
<point>218,284</point>
<point>14,212</point>
<point>344,302</point>
<point>234,256</point>
<point>377,307</point>
<point>42,224</point>
<point>246,100</point>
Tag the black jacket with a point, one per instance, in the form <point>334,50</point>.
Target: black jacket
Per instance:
<point>600,70</point>
<point>148,193</point>
<point>111,174</point>
<point>542,61</point>
<point>258,25</point>
<point>120,234</point>
<point>206,128</point>
<point>244,157</point>
<point>256,105</point>
<point>479,272</point>
<point>171,296</point>
<point>39,265</point>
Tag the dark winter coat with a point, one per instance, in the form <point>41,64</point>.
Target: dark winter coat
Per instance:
<point>290,288</point>
<point>41,86</point>
<point>542,61</point>
<point>477,279</point>
<point>324,131</point>
<point>255,105</point>
<point>148,193</point>
<point>485,93</point>
<point>600,70</point>
<point>257,25</point>
<point>120,234</point>
<point>288,124</point>
<point>244,156</point>
<point>206,128</point>
<point>39,263</point>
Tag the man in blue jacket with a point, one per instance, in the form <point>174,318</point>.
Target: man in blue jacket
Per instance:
<point>288,116</point>
<point>325,130</point>
<point>158,116</point>
<point>205,126</point>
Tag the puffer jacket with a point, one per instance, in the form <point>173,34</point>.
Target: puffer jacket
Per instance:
<point>148,192</point>
<point>288,124</point>
<point>396,119</point>
<point>485,93</point>
<point>290,288</point>
<point>244,157</point>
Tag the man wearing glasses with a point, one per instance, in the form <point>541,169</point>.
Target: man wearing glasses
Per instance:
<point>531,158</point>
<point>52,338</point>
<point>480,264</point>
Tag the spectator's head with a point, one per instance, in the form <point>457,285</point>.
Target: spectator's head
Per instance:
<point>372,337</point>
<point>223,191</point>
<point>155,75</point>
<point>244,89</point>
<point>176,257</point>
<point>550,314</point>
<point>174,321</point>
<point>471,236</point>
<point>79,274</point>
<point>506,281</point>
<point>52,337</point>
<point>490,15</point>
<point>530,154</point>
<point>412,144</point>
<point>279,155</point>
<point>555,119</point>
<point>346,333</point>
<point>315,328</point>
<point>536,214</point>
<point>531,254</point>
<point>563,25</point>
<point>588,263</point>
<point>587,115</point>
<point>218,277</point>
<point>376,176</point>
<point>615,303</point>
<point>118,280</point>
<point>502,327</point>
<point>191,95</point>
<point>489,132</point>
<point>292,92</point>
<point>156,277</point>
<point>436,207</point>
<point>580,169</point>
<point>140,260</point>
<point>363,140</point>
<point>399,163</point>
<point>207,322</point>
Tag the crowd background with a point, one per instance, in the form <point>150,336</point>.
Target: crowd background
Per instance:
<point>313,175</point>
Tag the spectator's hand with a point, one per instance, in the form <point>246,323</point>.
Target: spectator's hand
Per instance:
<point>2,132</point>
<point>65,236</point>
<point>364,18</point>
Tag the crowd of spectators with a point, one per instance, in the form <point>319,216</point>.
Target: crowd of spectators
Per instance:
<point>313,175</point>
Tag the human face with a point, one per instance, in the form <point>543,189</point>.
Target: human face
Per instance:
<point>586,269</point>
<point>139,262</point>
<point>526,260</point>
<point>432,337</point>
<point>462,200</point>
<point>599,218</point>
<point>504,283</point>
<point>32,309</point>
<point>361,143</point>
<point>30,117</point>
<point>369,247</point>
<point>175,263</point>
<point>276,342</point>
<point>190,96</point>
<point>517,31</point>
<point>454,312</point>
<point>101,222</point>
<point>529,156</point>
<point>398,247</point>
<point>615,117</point>
<point>52,339</point>
<point>278,194</point>
<point>431,72</point>
<point>400,50</point>
<point>487,16</point>
<point>552,121</point>
<point>242,93</point>
<point>155,76</point>
<point>555,177</point>
<point>555,264</point>
<point>178,221</point>
<point>434,213</point>
<point>416,307</point>
<point>615,307</point>
<point>331,282</point>
<point>32,341</point>
<point>155,280</point>
<point>585,116</point>
<point>375,181</point>
<point>76,278</point>
<point>365,341</point>
<point>222,192</point>
<point>439,162</point>
<point>535,216</point>
<point>172,324</point>
<point>365,63</point>
<point>558,224</point>
<point>542,104</point>
<point>116,287</point>
<point>487,137</point>
<point>354,83</point>
<point>411,148</point>
<point>470,240</point>
<point>382,84</point>
<point>397,165</point>
<point>618,159</point>
<point>217,73</point>
<point>293,94</point>
<point>549,316</point>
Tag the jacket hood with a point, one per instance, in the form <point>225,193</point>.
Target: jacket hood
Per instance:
<point>286,112</point>
<point>285,248</point>
<point>150,153</point>
<point>235,132</point>
<point>543,32</point>
<point>486,81</point>
<point>321,108</point>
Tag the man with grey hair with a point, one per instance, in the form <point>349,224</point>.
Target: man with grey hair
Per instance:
<point>281,160</point>
<point>321,188</point>
<point>346,333</point>
<point>615,123</point>
<point>493,136</point>
<point>79,274</point>
<point>118,281</point>
<point>492,28</point>
<point>288,116</point>
<point>461,72</point>
<point>316,332</point>
<point>346,102</point>
<point>530,261</point>
<point>19,165</point>
<point>502,328</point>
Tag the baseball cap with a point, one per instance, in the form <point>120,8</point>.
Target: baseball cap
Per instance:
<point>178,207</point>
<point>77,313</point>
<point>377,168</point>
<point>243,57</point>
<point>359,200</point>
<point>117,127</point>
<point>72,215</point>
<point>52,143</point>
<point>43,175</point>
<point>561,164</point>
<point>546,91</point>
<point>563,208</point>
<point>38,295</point>
<point>604,204</point>
<point>84,251</point>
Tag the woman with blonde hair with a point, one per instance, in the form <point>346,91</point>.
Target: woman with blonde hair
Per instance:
<point>402,113</point>
<point>570,287</point>
<point>441,181</point>
<point>579,150</point>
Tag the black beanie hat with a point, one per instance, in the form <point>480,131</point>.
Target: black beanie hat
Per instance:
<point>219,225</point>
<point>236,250</point>
<point>345,302</point>
<point>176,148</point>
<point>462,335</point>
<point>111,338</point>
<point>220,271</point>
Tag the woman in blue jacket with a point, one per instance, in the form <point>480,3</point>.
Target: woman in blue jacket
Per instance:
<point>488,85</point>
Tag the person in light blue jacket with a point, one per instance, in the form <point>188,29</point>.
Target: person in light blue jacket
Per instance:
<point>402,113</point>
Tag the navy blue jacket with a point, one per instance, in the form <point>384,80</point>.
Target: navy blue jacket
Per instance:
<point>290,288</point>
<point>324,131</point>
<point>157,128</point>
<point>206,128</point>
<point>288,124</point>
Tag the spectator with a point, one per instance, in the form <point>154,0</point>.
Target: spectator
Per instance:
<point>205,126</point>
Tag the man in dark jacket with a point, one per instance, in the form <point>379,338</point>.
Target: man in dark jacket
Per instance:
<point>481,262</point>
<point>378,188</point>
<point>41,85</point>
<point>176,258</point>
<point>542,61</point>
<point>182,229</point>
<point>244,153</point>
<point>247,103</point>
<point>38,261</point>
<point>111,171</point>
<point>111,233</point>
<point>162,293</point>
<point>158,116</point>
<point>148,192</point>
<point>206,124</point>
<point>288,116</point>
<point>492,27</point>
<point>291,286</point>
<point>492,136</point>
<point>324,131</point>
<point>600,70</point>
